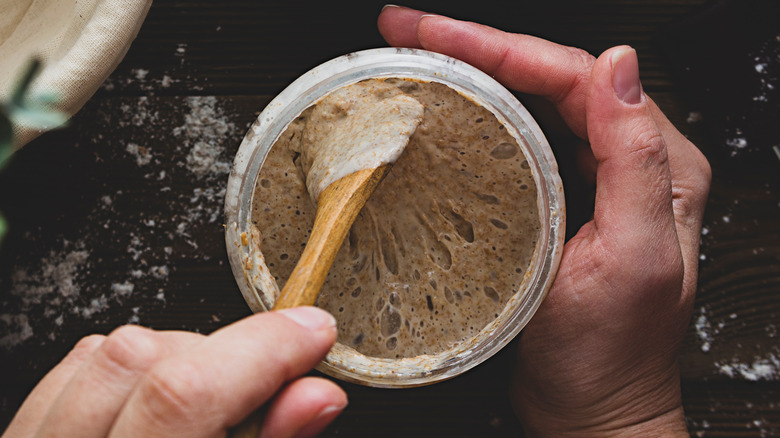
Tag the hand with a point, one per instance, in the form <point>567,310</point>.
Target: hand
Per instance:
<point>138,382</point>
<point>600,356</point>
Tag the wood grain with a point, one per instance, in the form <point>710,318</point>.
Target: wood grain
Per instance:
<point>81,191</point>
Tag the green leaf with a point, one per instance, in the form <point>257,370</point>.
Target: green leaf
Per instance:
<point>3,228</point>
<point>17,98</point>
<point>46,99</point>
<point>35,112</point>
<point>38,117</point>
<point>6,139</point>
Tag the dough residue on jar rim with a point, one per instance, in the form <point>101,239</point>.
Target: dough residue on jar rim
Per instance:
<point>439,255</point>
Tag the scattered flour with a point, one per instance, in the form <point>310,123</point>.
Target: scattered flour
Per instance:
<point>204,130</point>
<point>761,105</point>
<point>58,288</point>
<point>56,278</point>
<point>143,156</point>
<point>762,368</point>
<point>159,272</point>
<point>181,50</point>
<point>16,329</point>
<point>204,159</point>
<point>764,59</point>
<point>51,288</point>
<point>70,282</point>
<point>705,331</point>
<point>694,117</point>
<point>699,428</point>
<point>758,426</point>
<point>142,79</point>
<point>124,289</point>
<point>138,114</point>
<point>737,143</point>
<point>95,305</point>
<point>140,74</point>
<point>771,330</point>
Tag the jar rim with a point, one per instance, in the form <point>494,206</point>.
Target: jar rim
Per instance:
<point>484,91</point>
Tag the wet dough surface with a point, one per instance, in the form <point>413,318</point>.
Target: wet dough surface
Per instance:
<point>352,130</point>
<point>441,245</point>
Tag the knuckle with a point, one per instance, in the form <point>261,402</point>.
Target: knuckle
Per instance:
<point>649,147</point>
<point>84,348</point>
<point>130,349</point>
<point>176,393</point>
<point>686,202</point>
<point>581,57</point>
<point>581,64</point>
<point>689,192</point>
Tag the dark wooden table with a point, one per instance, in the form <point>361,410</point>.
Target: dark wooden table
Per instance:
<point>118,218</point>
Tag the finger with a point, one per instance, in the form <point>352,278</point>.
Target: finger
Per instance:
<point>586,162</point>
<point>92,399</point>
<point>211,387</point>
<point>691,176</point>
<point>35,407</point>
<point>633,188</point>
<point>399,24</point>
<point>691,173</point>
<point>522,62</point>
<point>304,408</point>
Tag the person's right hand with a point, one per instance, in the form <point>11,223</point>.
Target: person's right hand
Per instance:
<point>137,382</point>
<point>600,356</point>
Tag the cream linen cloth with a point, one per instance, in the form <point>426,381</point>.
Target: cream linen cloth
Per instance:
<point>79,41</point>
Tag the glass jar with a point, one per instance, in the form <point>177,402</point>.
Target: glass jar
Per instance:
<point>243,246</point>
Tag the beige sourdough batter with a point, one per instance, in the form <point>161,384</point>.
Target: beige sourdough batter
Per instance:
<point>355,129</point>
<point>441,245</point>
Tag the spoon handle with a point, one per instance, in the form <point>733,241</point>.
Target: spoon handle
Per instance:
<point>338,206</point>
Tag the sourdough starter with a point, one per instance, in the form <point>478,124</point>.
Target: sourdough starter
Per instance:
<point>441,245</point>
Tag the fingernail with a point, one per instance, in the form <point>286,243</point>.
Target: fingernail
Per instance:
<point>330,411</point>
<point>308,317</point>
<point>315,426</point>
<point>390,6</point>
<point>625,76</point>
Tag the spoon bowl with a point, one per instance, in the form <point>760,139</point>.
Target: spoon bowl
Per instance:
<point>338,206</point>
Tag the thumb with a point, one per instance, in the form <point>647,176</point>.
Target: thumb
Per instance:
<point>633,182</point>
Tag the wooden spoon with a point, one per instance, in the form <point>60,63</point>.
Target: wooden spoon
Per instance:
<point>376,129</point>
<point>338,206</point>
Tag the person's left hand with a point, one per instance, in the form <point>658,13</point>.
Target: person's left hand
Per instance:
<point>137,382</point>
<point>600,357</point>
